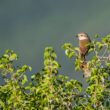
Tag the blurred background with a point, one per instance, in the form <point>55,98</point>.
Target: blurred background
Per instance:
<point>28,26</point>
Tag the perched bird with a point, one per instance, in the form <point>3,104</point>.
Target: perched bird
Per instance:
<point>83,41</point>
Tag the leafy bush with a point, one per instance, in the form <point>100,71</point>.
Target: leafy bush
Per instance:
<point>50,91</point>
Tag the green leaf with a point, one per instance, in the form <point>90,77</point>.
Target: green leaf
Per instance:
<point>95,70</point>
<point>49,49</point>
<point>90,50</point>
<point>30,68</point>
<point>4,60</point>
<point>100,47</point>
<point>71,55</point>
<point>16,74</point>
<point>105,40</point>
<point>33,77</point>
<point>54,55</point>
<point>67,45</point>
<point>2,66</point>
<point>88,44</point>
<point>108,64</point>
<point>105,74</point>
<point>76,48</point>
<point>46,108</point>
<point>9,51</point>
<point>6,55</point>
<point>1,103</point>
<point>108,36</point>
<point>25,67</point>
<point>95,58</point>
<point>66,77</point>
<point>98,43</point>
<point>13,57</point>
<point>24,79</point>
<point>67,52</point>
<point>77,67</point>
<point>96,36</point>
<point>60,76</point>
<point>46,62</point>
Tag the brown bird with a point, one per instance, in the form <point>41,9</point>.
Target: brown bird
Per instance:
<point>83,41</point>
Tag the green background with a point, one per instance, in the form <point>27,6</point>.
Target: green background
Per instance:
<point>28,26</point>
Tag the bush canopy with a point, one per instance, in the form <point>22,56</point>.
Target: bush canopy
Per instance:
<point>48,90</point>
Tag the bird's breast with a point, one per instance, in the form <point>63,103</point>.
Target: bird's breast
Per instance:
<point>82,43</point>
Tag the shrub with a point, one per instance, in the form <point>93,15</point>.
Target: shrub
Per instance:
<point>50,91</point>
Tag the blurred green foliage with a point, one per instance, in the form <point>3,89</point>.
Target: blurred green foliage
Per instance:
<point>50,91</point>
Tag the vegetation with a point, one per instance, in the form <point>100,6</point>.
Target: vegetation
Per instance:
<point>50,91</point>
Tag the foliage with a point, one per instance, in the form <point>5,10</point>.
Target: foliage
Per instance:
<point>50,91</point>
<point>97,72</point>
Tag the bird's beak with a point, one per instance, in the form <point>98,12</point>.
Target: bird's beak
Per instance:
<point>76,35</point>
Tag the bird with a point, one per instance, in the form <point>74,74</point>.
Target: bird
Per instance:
<point>83,48</point>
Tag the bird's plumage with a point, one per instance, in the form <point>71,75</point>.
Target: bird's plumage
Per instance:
<point>83,41</point>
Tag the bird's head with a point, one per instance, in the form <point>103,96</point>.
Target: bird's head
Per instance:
<point>82,36</point>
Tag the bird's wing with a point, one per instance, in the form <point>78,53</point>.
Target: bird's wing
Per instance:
<point>84,50</point>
